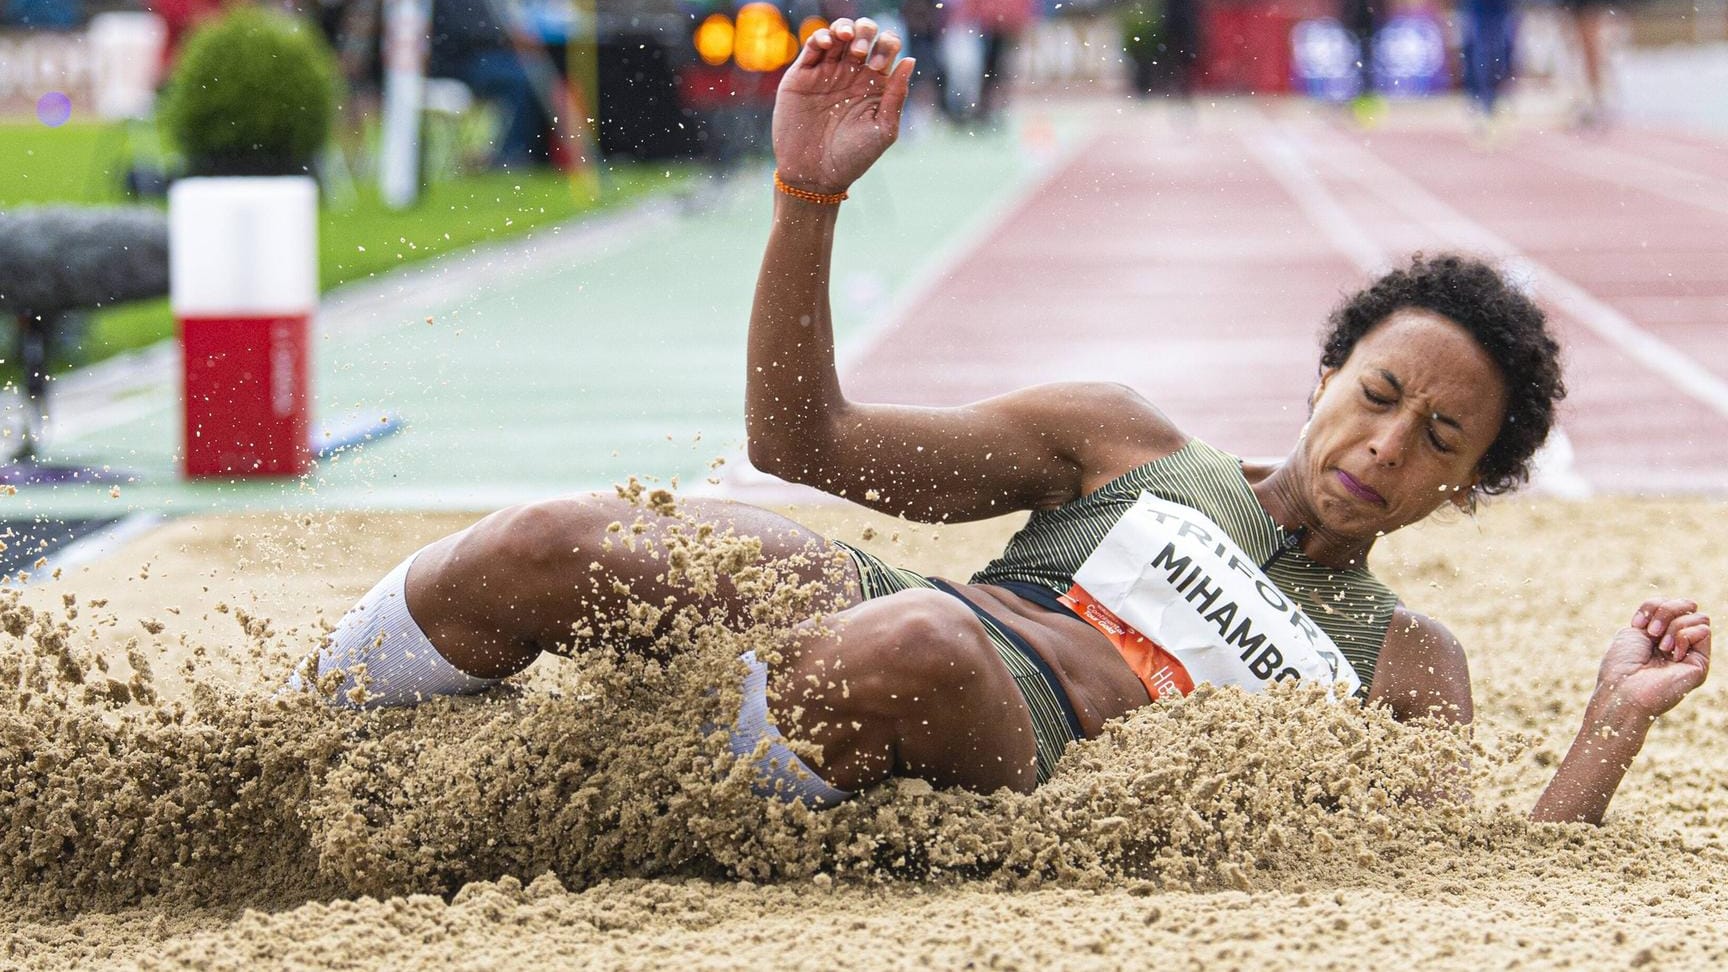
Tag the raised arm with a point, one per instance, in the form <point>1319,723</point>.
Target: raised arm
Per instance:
<point>1649,667</point>
<point>838,109</point>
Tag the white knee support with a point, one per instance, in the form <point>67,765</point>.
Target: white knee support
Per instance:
<point>779,771</point>
<point>400,665</point>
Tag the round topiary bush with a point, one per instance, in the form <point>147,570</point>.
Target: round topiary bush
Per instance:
<point>254,93</point>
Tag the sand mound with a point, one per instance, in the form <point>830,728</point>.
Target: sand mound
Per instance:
<point>586,813</point>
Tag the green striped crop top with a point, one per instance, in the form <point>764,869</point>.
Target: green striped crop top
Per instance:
<point>1351,605</point>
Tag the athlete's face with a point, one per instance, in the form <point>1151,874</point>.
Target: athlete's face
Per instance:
<point>1400,429</point>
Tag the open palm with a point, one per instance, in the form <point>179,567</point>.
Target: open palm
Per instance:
<point>838,107</point>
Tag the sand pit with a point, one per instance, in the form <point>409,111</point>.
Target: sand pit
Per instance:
<point>161,811</point>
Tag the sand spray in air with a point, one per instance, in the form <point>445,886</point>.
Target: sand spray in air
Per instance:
<point>112,792</point>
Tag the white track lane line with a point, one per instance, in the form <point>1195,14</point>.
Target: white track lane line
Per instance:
<point>1611,165</point>
<point>97,545</point>
<point>1552,468</point>
<point>1404,194</point>
<point>1281,161</point>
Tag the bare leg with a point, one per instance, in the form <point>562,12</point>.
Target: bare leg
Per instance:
<point>907,685</point>
<point>1593,25</point>
<point>519,582</point>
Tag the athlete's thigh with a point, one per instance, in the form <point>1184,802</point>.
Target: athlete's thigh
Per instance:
<point>907,684</point>
<point>546,575</point>
<point>723,535</point>
<point>623,557</point>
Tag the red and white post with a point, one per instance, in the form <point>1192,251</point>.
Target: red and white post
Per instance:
<point>243,283</point>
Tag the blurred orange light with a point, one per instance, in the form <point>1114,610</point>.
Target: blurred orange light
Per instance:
<point>810,26</point>
<point>714,39</point>
<point>763,43</point>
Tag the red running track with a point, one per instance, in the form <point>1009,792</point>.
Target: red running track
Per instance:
<point>1197,262</point>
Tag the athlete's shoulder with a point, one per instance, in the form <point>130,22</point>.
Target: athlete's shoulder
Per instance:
<point>1422,669</point>
<point>1414,628</point>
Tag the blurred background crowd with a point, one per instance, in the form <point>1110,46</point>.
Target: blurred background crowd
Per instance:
<point>694,78</point>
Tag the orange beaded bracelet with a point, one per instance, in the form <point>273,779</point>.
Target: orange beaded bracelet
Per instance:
<point>822,198</point>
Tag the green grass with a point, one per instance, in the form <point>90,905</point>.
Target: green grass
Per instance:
<point>83,164</point>
<point>78,162</point>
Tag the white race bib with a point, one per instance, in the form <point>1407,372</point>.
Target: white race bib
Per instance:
<point>1184,605</point>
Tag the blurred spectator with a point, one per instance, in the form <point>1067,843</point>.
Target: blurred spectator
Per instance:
<point>1591,21</point>
<point>352,28</point>
<point>1489,27</point>
<point>472,43</point>
<point>1162,40</point>
<point>1362,19</point>
<point>924,23</point>
<point>1182,43</point>
<point>1000,23</point>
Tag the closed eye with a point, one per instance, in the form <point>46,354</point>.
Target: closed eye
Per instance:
<point>1439,443</point>
<point>1376,399</point>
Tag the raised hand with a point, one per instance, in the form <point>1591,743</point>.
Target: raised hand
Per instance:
<point>1662,655</point>
<point>838,107</point>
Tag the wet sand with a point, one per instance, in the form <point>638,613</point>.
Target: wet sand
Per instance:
<point>161,811</point>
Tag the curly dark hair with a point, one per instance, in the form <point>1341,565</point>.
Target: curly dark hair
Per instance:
<point>1507,325</point>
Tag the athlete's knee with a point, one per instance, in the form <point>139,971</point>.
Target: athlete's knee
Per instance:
<point>935,636</point>
<point>918,644</point>
<point>547,532</point>
<point>539,536</point>
<point>918,680</point>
